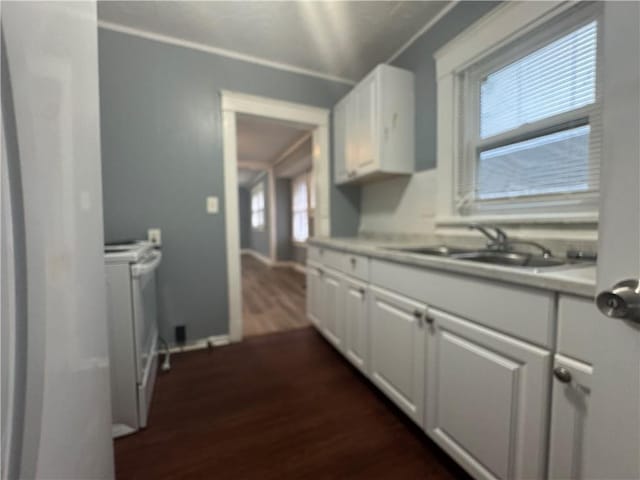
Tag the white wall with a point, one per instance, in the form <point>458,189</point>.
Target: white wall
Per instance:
<point>405,205</point>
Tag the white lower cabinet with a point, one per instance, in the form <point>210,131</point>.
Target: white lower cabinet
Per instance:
<point>356,323</point>
<point>397,352</point>
<point>331,309</point>
<point>314,293</point>
<point>569,413</point>
<point>486,398</point>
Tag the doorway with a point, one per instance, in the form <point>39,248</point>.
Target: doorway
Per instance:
<point>271,147</point>
<point>276,217</point>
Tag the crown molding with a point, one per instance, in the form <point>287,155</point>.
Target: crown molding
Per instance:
<point>423,30</point>
<point>223,52</point>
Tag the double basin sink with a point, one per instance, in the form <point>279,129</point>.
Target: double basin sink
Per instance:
<point>494,257</point>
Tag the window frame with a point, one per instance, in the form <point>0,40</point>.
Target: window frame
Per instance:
<point>256,190</point>
<point>503,25</point>
<point>471,145</point>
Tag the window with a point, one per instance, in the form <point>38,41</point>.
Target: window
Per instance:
<point>300,208</point>
<point>257,207</point>
<point>530,124</point>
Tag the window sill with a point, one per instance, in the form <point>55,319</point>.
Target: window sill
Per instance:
<point>589,218</point>
<point>258,229</point>
<point>299,244</point>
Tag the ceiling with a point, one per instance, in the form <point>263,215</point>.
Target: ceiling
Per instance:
<point>261,141</point>
<point>247,177</point>
<point>343,39</point>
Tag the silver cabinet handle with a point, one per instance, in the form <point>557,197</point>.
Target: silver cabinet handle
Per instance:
<point>353,261</point>
<point>321,271</point>
<point>562,374</point>
<point>429,319</point>
<point>362,291</point>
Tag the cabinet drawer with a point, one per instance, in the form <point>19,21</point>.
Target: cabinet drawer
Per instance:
<point>356,266</point>
<point>328,258</point>
<point>522,312</point>
<point>577,320</point>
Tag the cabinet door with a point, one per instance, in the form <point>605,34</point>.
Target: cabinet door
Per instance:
<point>351,133</point>
<point>487,398</point>
<point>356,323</point>
<point>332,313</point>
<point>314,293</point>
<point>339,141</point>
<point>569,411</point>
<point>367,133</point>
<point>397,349</point>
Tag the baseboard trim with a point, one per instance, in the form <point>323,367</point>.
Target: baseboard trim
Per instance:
<point>258,256</point>
<point>279,264</point>
<point>208,342</point>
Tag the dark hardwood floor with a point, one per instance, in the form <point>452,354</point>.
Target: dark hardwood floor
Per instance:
<point>279,406</point>
<point>273,299</point>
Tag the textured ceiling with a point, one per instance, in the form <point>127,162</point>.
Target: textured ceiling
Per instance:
<point>261,141</point>
<point>344,39</point>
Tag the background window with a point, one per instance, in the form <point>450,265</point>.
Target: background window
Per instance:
<point>257,207</point>
<point>532,123</point>
<point>300,208</point>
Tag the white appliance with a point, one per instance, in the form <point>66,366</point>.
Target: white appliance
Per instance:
<point>133,332</point>
<point>56,411</point>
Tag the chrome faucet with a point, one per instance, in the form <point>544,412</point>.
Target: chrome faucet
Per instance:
<point>498,239</point>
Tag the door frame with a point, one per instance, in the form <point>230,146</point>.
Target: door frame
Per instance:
<point>233,103</point>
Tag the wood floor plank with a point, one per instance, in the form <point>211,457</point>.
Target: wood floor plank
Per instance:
<point>279,406</point>
<point>273,298</point>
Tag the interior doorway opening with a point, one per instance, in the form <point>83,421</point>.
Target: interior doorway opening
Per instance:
<point>276,202</point>
<point>277,193</point>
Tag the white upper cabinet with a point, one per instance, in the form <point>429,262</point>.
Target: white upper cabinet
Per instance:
<point>374,127</point>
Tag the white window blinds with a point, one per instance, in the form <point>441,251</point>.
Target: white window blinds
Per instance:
<point>300,204</point>
<point>537,129</point>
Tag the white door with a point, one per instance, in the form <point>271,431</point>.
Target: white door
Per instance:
<point>356,325</point>
<point>613,441</point>
<point>314,293</point>
<point>332,307</point>
<point>398,349</point>
<point>487,397</point>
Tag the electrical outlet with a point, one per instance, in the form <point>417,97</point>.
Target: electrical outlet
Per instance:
<point>212,205</point>
<point>181,334</point>
<point>154,235</point>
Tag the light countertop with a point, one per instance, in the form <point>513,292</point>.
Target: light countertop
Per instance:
<point>576,279</point>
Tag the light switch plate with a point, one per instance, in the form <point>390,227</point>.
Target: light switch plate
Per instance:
<point>154,235</point>
<point>212,205</point>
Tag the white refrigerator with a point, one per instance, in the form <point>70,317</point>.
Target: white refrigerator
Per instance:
<point>56,415</point>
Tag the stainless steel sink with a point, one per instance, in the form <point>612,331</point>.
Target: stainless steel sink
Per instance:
<point>439,250</point>
<point>512,259</point>
<point>493,257</point>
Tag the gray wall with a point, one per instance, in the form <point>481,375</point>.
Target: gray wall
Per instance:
<point>419,59</point>
<point>162,155</point>
<point>259,240</point>
<point>284,244</point>
<point>244,210</point>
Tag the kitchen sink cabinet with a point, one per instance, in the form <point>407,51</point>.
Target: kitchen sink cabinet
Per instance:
<point>477,364</point>
<point>398,349</point>
<point>486,398</point>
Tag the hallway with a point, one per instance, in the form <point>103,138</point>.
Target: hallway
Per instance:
<point>273,299</point>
